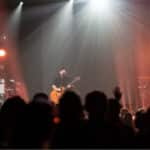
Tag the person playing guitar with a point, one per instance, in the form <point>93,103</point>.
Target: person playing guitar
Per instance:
<point>61,84</point>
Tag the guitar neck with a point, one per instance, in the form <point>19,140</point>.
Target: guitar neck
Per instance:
<point>74,81</point>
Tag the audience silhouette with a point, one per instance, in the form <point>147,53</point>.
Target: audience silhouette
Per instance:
<point>100,123</point>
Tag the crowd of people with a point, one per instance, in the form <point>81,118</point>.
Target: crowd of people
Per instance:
<point>100,123</point>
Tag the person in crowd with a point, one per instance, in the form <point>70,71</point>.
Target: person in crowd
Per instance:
<point>120,134</point>
<point>142,123</point>
<point>69,132</point>
<point>96,126</point>
<point>127,118</point>
<point>39,122</point>
<point>12,127</point>
<point>40,98</point>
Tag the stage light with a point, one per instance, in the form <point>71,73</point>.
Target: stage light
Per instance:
<point>2,53</point>
<point>100,5</point>
<point>4,37</point>
<point>21,3</point>
<point>12,80</point>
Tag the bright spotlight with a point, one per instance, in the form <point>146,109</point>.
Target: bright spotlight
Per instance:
<point>4,37</point>
<point>100,5</point>
<point>21,3</point>
<point>2,53</point>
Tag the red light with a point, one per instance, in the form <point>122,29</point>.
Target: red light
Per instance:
<point>2,53</point>
<point>56,120</point>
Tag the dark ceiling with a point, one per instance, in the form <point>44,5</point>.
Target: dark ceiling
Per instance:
<point>13,3</point>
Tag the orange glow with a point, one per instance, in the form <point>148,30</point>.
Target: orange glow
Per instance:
<point>56,120</point>
<point>14,68</point>
<point>2,52</point>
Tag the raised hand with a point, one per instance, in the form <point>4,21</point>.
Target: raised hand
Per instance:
<point>117,93</point>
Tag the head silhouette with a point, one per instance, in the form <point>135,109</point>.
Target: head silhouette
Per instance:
<point>140,119</point>
<point>70,106</point>
<point>40,97</point>
<point>13,107</point>
<point>95,104</point>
